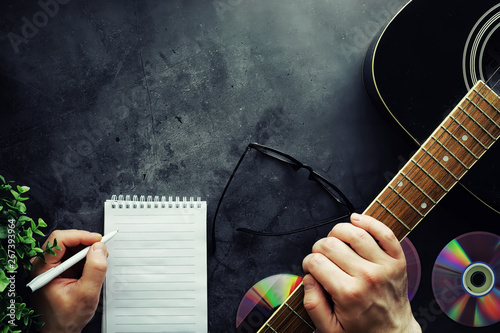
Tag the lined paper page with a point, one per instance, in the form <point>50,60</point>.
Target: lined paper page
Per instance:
<point>156,279</point>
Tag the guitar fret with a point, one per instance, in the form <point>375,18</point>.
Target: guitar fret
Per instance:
<point>380,213</point>
<point>493,106</point>
<point>394,215</point>
<point>298,315</point>
<point>271,328</point>
<point>460,142</point>
<point>405,200</point>
<point>284,319</point>
<point>450,152</point>
<point>429,175</point>
<point>439,163</point>
<point>477,123</point>
<point>472,135</point>
<point>400,201</point>
<point>483,98</point>
<point>418,188</point>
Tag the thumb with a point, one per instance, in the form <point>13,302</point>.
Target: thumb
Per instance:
<point>318,307</point>
<point>95,269</point>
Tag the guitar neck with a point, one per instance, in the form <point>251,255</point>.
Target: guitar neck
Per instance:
<point>441,161</point>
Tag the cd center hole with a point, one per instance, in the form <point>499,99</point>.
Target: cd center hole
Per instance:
<point>478,279</point>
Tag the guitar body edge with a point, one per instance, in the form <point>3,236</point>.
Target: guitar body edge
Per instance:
<point>370,83</point>
<point>428,44</point>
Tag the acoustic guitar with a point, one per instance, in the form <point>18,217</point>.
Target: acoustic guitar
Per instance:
<point>411,75</point>
<point>442,160</point>
<point>455,43</point>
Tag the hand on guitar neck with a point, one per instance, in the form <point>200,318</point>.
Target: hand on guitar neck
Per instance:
<point>362,268</point>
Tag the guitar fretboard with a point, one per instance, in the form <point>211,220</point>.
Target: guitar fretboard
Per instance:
<point>441,161</point>
<point>454,147</point>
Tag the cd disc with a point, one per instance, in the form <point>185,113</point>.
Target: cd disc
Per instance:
<point>412,267</point>
<point>263,299</point>
<point>465,279</point>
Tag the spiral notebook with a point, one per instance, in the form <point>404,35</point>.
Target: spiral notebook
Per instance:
<point>157,265</point>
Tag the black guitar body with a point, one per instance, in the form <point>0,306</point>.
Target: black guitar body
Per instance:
<point>448,45</point>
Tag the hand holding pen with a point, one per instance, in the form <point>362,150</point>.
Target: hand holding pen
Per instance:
<point>68,302</point>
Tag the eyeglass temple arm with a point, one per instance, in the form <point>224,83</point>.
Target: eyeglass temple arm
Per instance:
<point>260,233</point>
<point>223,194</point>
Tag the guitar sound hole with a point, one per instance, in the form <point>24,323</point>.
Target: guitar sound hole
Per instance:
<point>491,61</point>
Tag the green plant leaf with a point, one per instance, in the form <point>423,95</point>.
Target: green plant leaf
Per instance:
<point>21,207</point>
<point>29,240</point>
<point>23,189</point>
<point>12,206</point>
<point>41,257</point>
<point>41,223</point>
<point>19,310</point>
<point>24,218</point>
<point>4,282</point>
<point>4,231</point>
<point>55,246</point>
<point>15,195</point>
<point>38,232</point>
<point>21,239</point>
<point>20,254</point>
<point>49,249</point>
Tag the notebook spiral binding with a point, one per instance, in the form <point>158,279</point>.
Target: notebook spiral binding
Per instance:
<point>128,202</point>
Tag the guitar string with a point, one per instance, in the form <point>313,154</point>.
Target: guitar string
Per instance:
<point>297,314</point>
<point>493,75</point>
<point>284,309</point>
<point>277,314</point>
<point>293,299</point>
<point>422,166</point>
<point>439,147</point>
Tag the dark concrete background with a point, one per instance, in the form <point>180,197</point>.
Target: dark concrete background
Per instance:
<point>162,97</point>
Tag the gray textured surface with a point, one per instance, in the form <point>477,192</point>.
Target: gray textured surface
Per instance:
<point>162,97</point>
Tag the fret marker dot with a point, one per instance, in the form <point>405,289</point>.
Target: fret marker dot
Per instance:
<point>465,137</point>
<point>423,205</point>
<point>400,183</point>
<point>446,158</point>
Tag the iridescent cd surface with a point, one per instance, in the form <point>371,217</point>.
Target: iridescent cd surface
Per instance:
<point>413,268</point>
<point>263,299</point>
<point>466,279</point>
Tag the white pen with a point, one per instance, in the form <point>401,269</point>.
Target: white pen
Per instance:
<point>44,278</point>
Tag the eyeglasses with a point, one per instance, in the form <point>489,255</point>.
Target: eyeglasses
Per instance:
<point>296,165</point>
